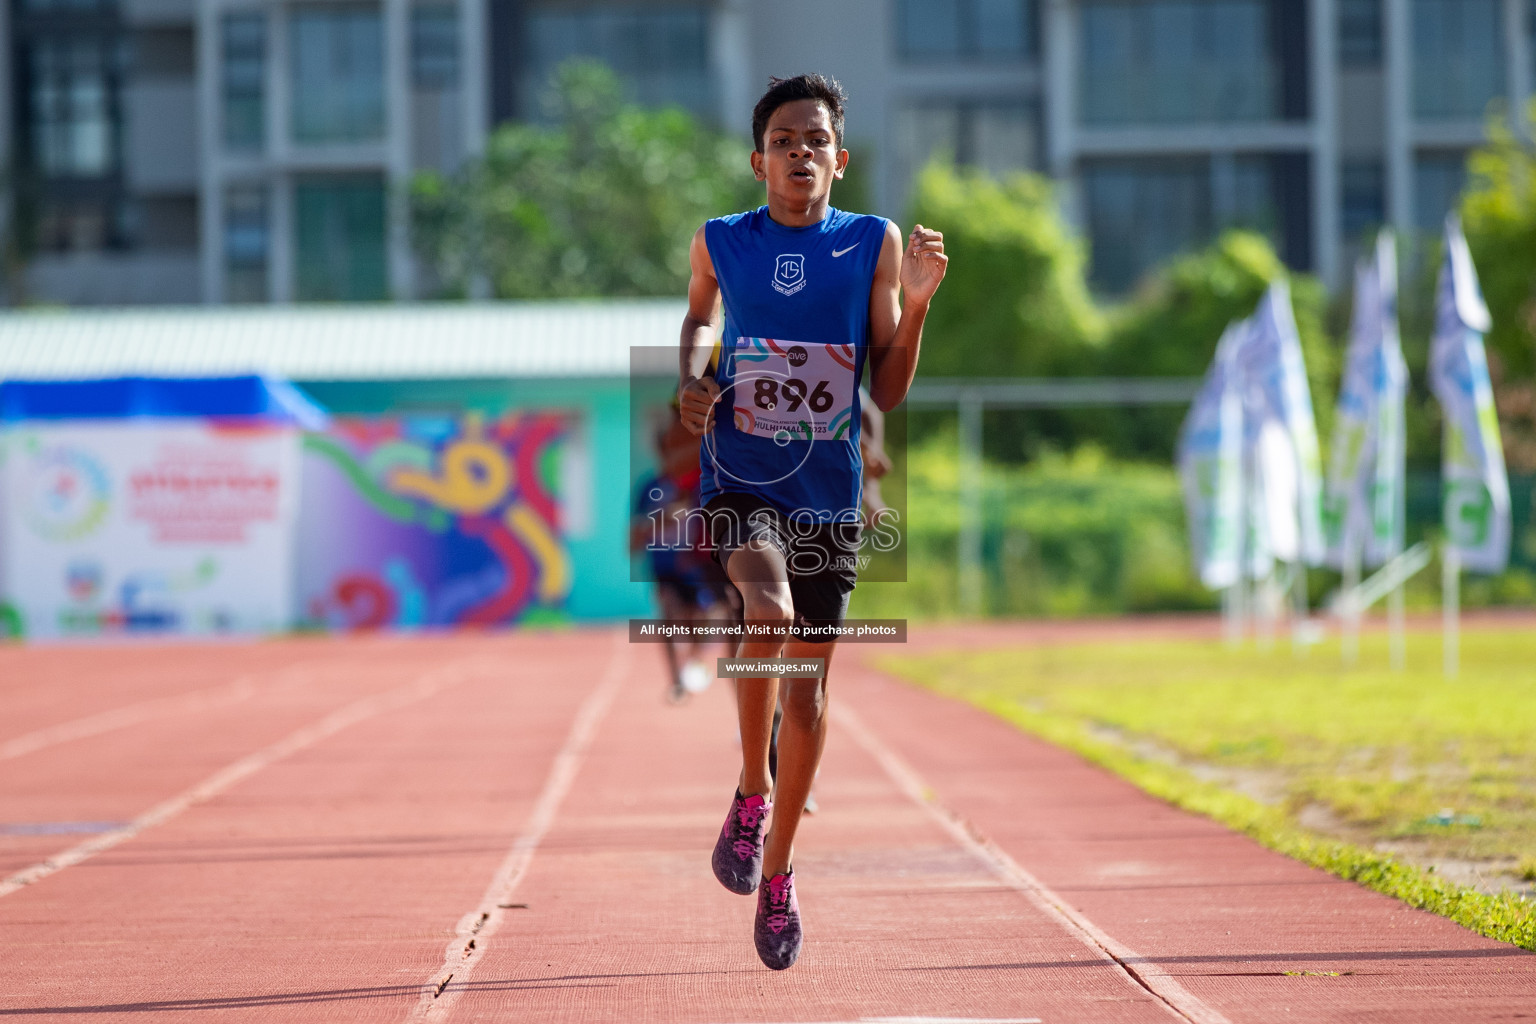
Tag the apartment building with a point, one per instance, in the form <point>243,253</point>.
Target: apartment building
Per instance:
<point>1313,120</point>
<point>259,150</point>
<point>185,151</point>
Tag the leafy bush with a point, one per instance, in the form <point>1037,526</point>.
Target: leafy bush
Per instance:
<point>1065,535</point>
<point>1016,302</point>
<point>1087,534</point>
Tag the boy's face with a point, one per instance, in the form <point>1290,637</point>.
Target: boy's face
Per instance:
<point>800,157</point>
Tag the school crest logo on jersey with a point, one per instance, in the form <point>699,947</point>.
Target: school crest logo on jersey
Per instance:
<point>789,273</point>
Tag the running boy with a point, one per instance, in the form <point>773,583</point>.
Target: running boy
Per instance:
<point>810,294</point>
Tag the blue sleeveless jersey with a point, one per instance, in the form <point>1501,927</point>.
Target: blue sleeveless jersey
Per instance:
<point>792,353</point>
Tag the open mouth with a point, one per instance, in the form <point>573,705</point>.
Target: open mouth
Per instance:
<point>801,174</point>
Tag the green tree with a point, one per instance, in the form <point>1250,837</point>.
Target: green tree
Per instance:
<point>1015,301</point>
<point>602,200</point>
<point>1499,214</point>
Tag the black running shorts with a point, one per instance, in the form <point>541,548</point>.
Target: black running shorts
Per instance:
<point>822,557</point>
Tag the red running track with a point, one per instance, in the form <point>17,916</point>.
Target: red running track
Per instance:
<point>517,828</point>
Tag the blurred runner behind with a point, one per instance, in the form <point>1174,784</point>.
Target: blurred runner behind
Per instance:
<point>690,588</point>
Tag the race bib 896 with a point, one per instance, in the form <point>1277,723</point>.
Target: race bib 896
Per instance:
<point>793,390</point>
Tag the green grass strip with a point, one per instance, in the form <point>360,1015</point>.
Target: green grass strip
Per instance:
<point>1506,917</point>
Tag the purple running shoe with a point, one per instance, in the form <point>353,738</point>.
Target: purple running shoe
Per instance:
<point>777,930</point>
<point>738,858</point>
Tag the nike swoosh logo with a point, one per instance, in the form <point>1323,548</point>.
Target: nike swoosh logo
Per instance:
<point>838,252</point>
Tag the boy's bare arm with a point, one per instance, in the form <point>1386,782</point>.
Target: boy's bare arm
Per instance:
<point>905,279</point>
<point>696,393</point>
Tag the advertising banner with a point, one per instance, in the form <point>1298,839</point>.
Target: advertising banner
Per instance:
<point>149,526</point>
<point>436,520</point>
<point>1474,480</point>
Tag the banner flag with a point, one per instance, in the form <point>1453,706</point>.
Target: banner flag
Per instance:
<point>1354,435</point>
<point>1272,499</point>
<point>1474,482</point>
<point>1364,498</point>
<point>1275,387</point>
<point>1211,467</point>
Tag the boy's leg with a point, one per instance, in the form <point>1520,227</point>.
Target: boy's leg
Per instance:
<point>757,569</point>
<point>737,859</point>
<point>802,736</point>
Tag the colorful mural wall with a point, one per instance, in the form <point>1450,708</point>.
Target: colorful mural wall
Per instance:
<point>418,521</point>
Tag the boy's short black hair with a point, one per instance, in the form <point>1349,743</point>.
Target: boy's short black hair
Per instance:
<point>825,90</point>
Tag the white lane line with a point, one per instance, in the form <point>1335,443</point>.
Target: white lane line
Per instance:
<point>949,1020</point>
<point>476,927</point>
<point>132,714</point>
<point>376,704</point>
<point>928,1020</point>
<point>1179,1000</point>
<point>239,689</point>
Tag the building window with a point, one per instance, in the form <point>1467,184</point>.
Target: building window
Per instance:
<point>435,46</point>
<point>1360,33</point>
<point>338,74</point>
<point>1140,212</point>
<point>437,120</point>
<point>167,222</point>
<point>997,137</point>
<point>1438,179</point>
<point>997,30</point>
<point>84,224</point>
<point>73,106</point>
<point>244,74</point>
<point>340,239</point>
<point>1178,61</point>
<point>247,239</point>
<point>164,52</point>
<point>1458,56</point>
<point>660,54</point>
<point>1363,202</point>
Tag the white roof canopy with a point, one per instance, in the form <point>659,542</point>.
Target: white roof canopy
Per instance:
<point>342,342</point>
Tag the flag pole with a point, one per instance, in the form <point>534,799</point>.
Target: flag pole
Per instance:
<point>1396,628</point>
<point>1247,586</point>
<point>1265,597</point>
<point>1300,628</point>
<point>972,495</point>
<point>1397,632</point>
<point>1350,645</point>
<point>1386,247</point>
<point>1450,603</point>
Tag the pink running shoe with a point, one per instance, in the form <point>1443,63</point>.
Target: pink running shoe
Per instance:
<point>738,857</point>
<point>777,930</point>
